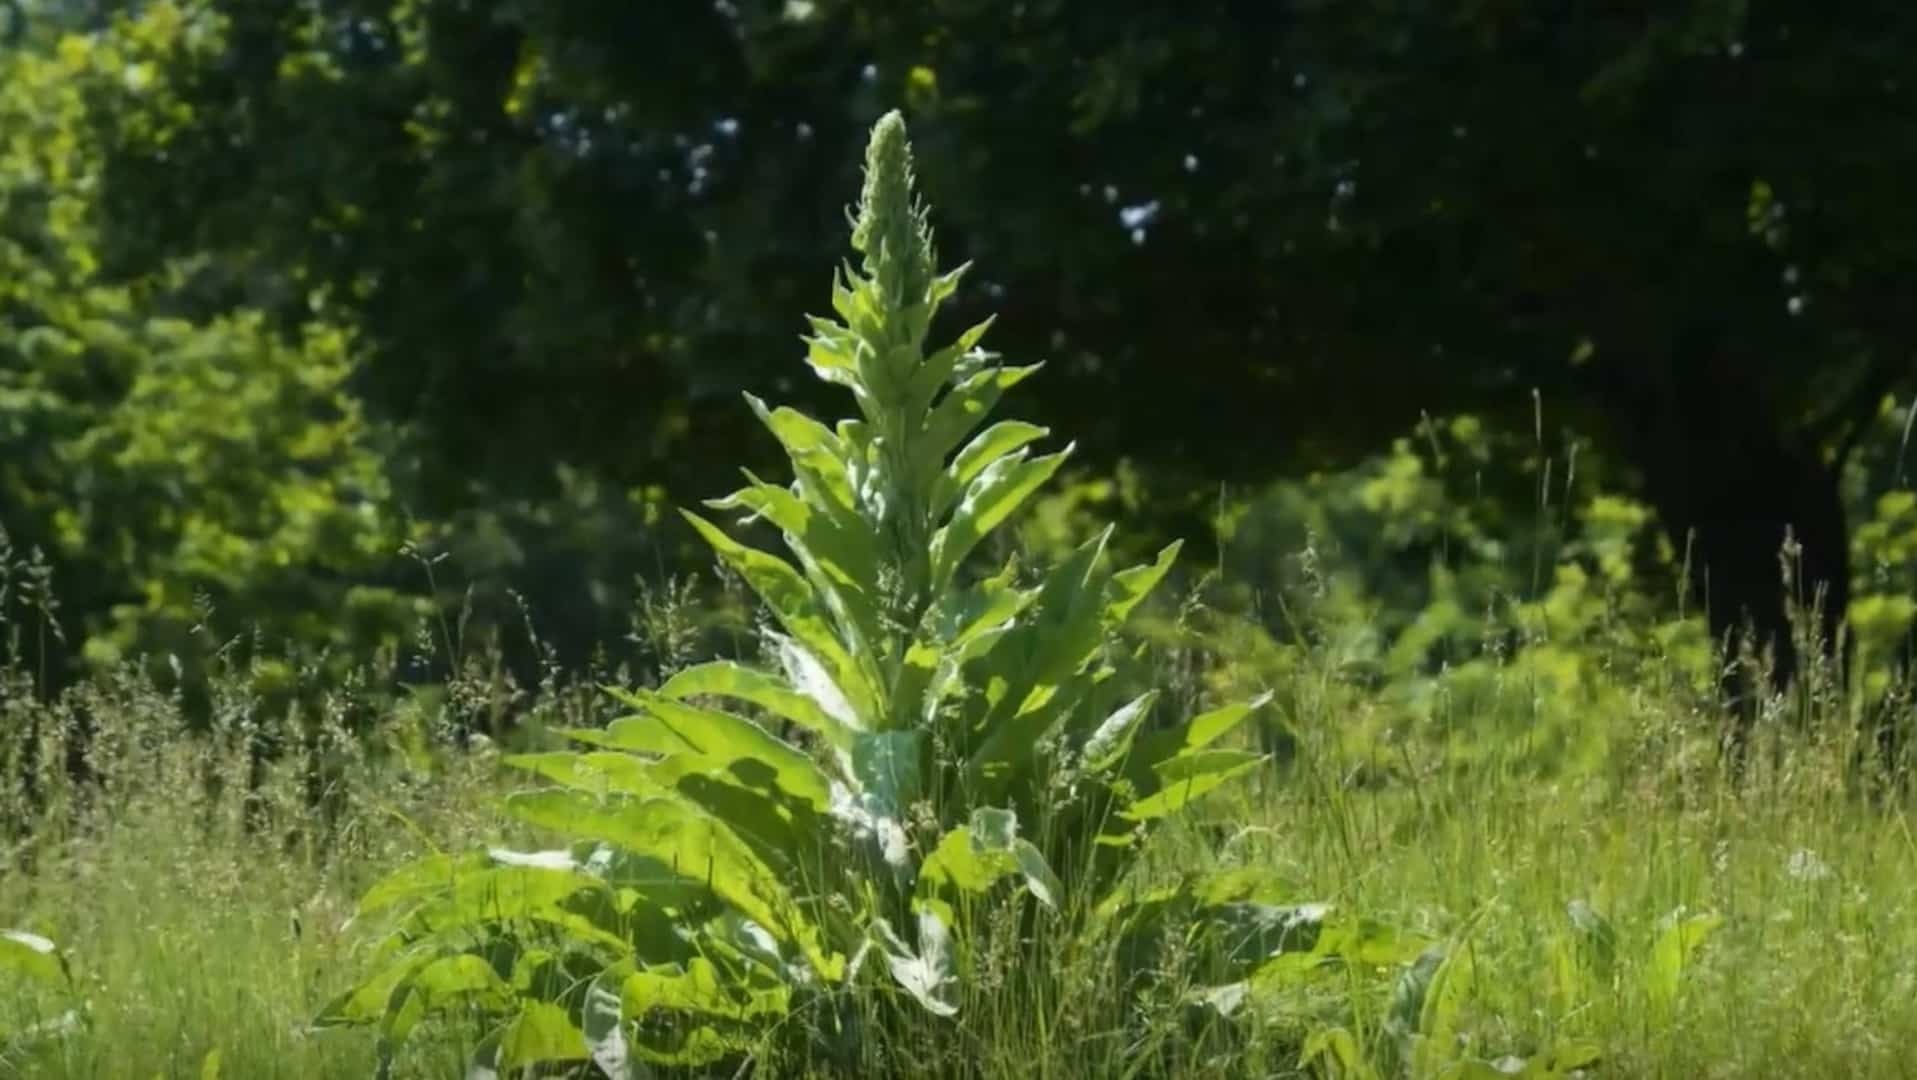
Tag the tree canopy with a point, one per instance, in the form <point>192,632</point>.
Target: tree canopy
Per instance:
<point>165,464</point>
<point>1250,238</point>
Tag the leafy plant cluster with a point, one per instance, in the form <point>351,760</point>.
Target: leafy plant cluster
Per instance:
<point>933,744</point>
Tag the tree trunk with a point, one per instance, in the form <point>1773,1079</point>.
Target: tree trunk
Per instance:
<point>1760,517</point>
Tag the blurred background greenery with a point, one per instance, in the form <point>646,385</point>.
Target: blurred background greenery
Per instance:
<point>363,335</point>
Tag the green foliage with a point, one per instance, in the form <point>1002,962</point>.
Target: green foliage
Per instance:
<point>25,960</point>
<point>25,955</point>
<point>542,238</point>
<point>189,476</point>
<point>951,735</point>
<point>1558,899</point>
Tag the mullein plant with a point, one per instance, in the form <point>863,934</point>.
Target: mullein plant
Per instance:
<point>930,735</point>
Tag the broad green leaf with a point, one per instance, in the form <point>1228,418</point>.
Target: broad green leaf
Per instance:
<point>925,972</point>
<point>1131,587</point>
<point>818,457</point>
<point>960,617</point>
<point>942,365</point>
<point>698,986</point>
<point>454,976</point>
<point>1224,1000</point>
<point>1198,763</point>
<point>1366,942</point>
<point>889,766</point>
<point>532,893</point>
<point>29,955</point>
<point>1113,737</point>
<point>597,773</point>
<point>436,986</point>
<point>978,856</point>
<point>787,835</point>
<point>1422,1018</point>
<point>1250,935</point>
<point>1568,1056</point>
<point>917,670</point>
<point>809,677</point>
<point>632,734</point>
<point>726,678</point>
<point>603,1023</point>
<point>837,555</point>
<point>994,495</point>
<point>755,756</point>
<point>829,349</point>
<point>959,862</point>
<point>986,447</point>
<point>366,1002</point>
<point>692,843</point>
<point>841,547</point>
<point>1191,778</point>
<point>1404,1016</point>
<point>1039,876</point>
<point>1036,660</point>
<point>795,605</point>
<point>1151,753</point>
<point>1676,944</point>
<point>1335,1053</point>
<point>1444,997</point>
<point>542,1032</point>
<point>965,406</point>
<point>1199,732</point>
<point>431,874</point>
<point>1208,728</point>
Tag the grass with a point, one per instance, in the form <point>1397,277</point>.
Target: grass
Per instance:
<point>191,934</point>
<point>1811,973</point>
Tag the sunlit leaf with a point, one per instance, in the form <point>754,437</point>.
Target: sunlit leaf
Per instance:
<point>726,678</point>
<point>30,955</point>
<point>1677,943</point>
<point>542,1032</point>
<point>924,972</point>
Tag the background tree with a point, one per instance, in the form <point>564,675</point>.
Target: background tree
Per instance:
<point>188,477</point>
<point>1278,231</point>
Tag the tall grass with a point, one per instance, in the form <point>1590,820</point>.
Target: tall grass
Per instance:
<point>203,923</point>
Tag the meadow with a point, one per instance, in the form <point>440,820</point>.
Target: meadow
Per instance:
<point>193,945</point>
<point>1489,835</point>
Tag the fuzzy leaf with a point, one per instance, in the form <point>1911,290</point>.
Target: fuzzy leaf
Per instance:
<point>888,767</point>
<point>726,678</point>
<point>1196,734</point>
<point>942,364</point>
<point>989,446</point>
<point>29,955</point>
<point>992,497</point>
<point>1676,944</point>
<point>421,877</point>
<point>542,1032</point>
<point>692,843</point>
<point>1188,778</point>
<point>1036,662</point>
<point>603,1024</point>
<point>1131,587</point>
<point>818,456</point>
<point>754,755</point>
<point>795,605</point>
<point>1111,739</point>
<point>926,972</point>
<point>965,406</point>
<point>975,857</point>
